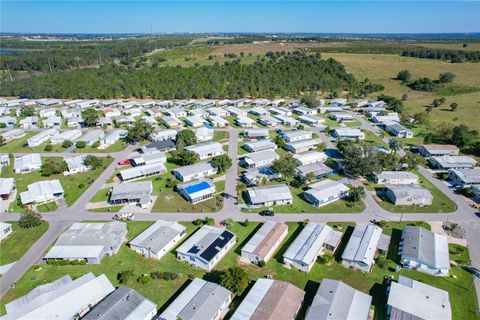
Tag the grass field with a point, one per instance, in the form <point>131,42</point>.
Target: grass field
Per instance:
<point>383,68</point>
<point>73,185</point>
<point>220,136</point>
<point>101,195</point>
<point>116,147</point>
<point>15,246</point>
<point>17,144</point>
<point>462,296</point>
<point>441,203</point>
<point>107,209</point>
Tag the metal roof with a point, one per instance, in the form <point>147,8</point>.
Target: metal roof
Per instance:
<point>337,300</point>
<point>123,303</point>
<point>158,235</point>
<point>306,247</point>
<point>468,175</point>
<point>261,145</point>
<point>270,300</point>
<point>326,189</point>
<point>411,299</point>
<point>264,239</point>
<point>409,190</point>
<point>132,190</point>
<point>206,147</point>
<point>426,247</point>
<point>275,192</point>
<point>27,161</point>
<point>41,191</point>
<point>88,240</point>
<point>61,299</point>
<point>6,185</point>
<point>200,300</point>
<point>362,245</point>
<point>142,171</point>
<point>194,169</point>
<point>261,156</point>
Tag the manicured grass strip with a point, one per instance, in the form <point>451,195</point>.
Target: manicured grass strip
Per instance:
<point>15,246</point>
<point>107,209</point>
<point>47,207</point>
<point>101,195</point>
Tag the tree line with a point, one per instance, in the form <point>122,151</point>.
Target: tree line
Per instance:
<point>288,75</point>
<point>52,56</point>
<point>454,56</point>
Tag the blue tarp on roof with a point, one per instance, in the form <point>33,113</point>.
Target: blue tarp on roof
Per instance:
<point>197,187</point>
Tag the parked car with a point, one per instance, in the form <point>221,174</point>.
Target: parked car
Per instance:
<point>267,213</point>
<point>124,216</point>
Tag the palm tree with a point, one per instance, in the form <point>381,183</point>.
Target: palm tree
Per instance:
<point>309,177</point>
<point>394,144</point>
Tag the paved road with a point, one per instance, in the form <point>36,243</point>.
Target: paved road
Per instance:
<point>60,220</point>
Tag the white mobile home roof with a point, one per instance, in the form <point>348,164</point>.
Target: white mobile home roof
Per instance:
<point>426,247</point>
<point>326,188</point>
<point>200,300</point>
<point>204,148</point>
<point>412,299</point>
<point>194,168</point>
<point>61,299</point>
<point>27,161</point>
<point>41,191</point>
<point>142,171</point>
<point>261,145</point>
<point>275,192</point>
<point>75,163</point>
<point>337,300</point>
<point>362,245</point>
<point>307,245</point>
<point>158,235</point>
<point>6,185</point>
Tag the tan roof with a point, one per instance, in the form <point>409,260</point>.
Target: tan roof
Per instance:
<point>440,147</point>
<point>282,301</point>
<point>270,239</point>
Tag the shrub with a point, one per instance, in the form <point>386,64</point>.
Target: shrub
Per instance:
<point>67,144</point>
<point>261,264</point>
<point>209,221</point>
<point>197,222</point>
<point>143,279</point>
<point>30,220</point>
<point>48,147</point>
<point>81,144</point>
<point>245,223</point>
<point>125,276</point>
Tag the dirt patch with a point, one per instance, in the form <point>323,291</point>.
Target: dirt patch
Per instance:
<point>262,48</point>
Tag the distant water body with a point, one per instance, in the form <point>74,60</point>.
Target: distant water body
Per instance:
<point>6,51</point>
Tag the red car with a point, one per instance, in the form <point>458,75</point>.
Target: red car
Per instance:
<point>124,162</point>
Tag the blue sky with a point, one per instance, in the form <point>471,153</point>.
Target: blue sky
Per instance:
<point>240,16</point>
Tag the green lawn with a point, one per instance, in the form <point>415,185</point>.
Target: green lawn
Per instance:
<point>441,203</point>
<point>17,145</point>
<point>73,185</point>
<point>47,207</point>
<point>15,246</point>
<point>301,206</point>
<point>419,132</point>
<point>355,123</point>
<point>220,136</point>
<point>107,209</point>
<point>101,195</point>
<point>462,297</point>
<point>116,147</point>
<point>370,137</point>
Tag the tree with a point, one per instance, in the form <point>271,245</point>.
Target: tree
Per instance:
<point>2,141</point>
<point>93,162</point>
<point>395,145</point>
<point>459,136</point>
<point>222,163</point>
<point>27,111</point>
<point>235,279</point>
<point>53,166</point>
<point>140,130</point>
<point>67,144</point>
<point>412,160</point>
<point>186,157</point>
<point>327,258</point>
<point>279,141</point>
<point>185,138</point>
<point>420,118</point>
<point>404,76</point>
<point>446,77</point>
<point>356,194</point>
<point>310,101</point>
<point>361,159</point>
<point>428,109</point>
<point>286,166</point>
<point>90,117</point>
<point>453,106</point>
<point>436,103</point>
<point>29,220</point>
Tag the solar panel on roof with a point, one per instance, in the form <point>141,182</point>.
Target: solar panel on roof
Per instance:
<point>194,250</point>
<point>220,242</point>
<point>197,187</point>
